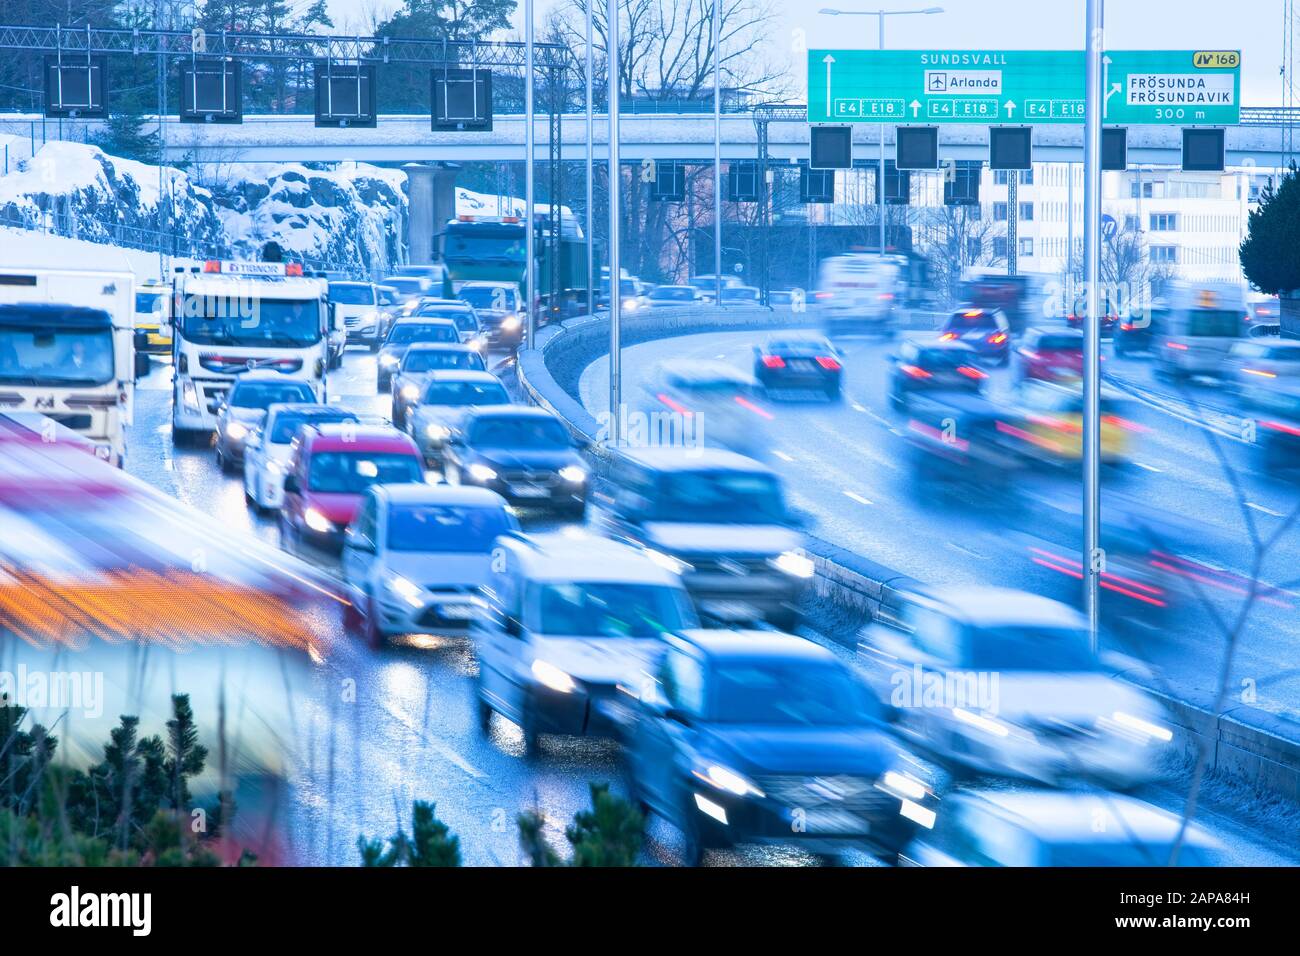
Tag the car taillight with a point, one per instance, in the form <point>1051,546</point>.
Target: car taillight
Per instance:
<point>1282,427</point>
<point>1127,326</point>
<point>1178,346</point>
<point>971,372</point>
<point>914,371</point>
<point>678,407</point>
<point>757,410</point>
<point>947,336</point>
<point>824,295</point>
<point>773,361</point>
<point>1124,423</point>
<point>828,363</point>
<point>1262,373</point>
<point>997,338</point>
<point>886,295</point>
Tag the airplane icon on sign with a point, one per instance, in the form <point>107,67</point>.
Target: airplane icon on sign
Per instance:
<point>938,82</point>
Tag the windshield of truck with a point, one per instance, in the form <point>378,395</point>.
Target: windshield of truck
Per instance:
<point>1214,323</point>
<point>40,357</point>
<point>503,243</point>
<point>352,293</point>
<point>149,302</point>
<point>491,298</point>
<point>253,323</point>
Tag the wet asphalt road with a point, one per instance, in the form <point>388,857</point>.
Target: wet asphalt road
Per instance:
<point>384,728</point>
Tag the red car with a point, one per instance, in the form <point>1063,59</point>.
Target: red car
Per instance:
<point>1053,355</point>
<point>330,468</point>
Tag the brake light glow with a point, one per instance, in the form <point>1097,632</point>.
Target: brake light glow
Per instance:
<point>947,336</point>
<point>678,407</point>
<point>773,361</point>
<point>212,265</point>
<point>997,338</point>
<point>828,363</point>
<point>293,269</point>
<point>743,402</point>
<point>1282,427</point>
<point>1127,326</point>
<point>823,295</point>
<point>1177,346</point>
<point>1260,372</point>
<point>971,372</point>
<point>1128,426</point>
<point>972,313</point>
<point>914,371</point>
<point>886,295</point>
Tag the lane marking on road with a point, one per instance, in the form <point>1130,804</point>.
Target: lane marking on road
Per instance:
<point>432,742</point>
<point>964,550</point>
<point>858,408</point>
<point>783,456</point>
<point>167,464</point>
<point>1268,511</point>
<point>857,497</point>
<point>1152,468</point>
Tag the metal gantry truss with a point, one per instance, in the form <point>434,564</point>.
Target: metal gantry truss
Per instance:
<point>284,46</point>
<point>764,115</point>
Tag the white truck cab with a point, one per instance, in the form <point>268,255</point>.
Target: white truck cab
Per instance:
<point>229,317</point>
<point>67,351</point>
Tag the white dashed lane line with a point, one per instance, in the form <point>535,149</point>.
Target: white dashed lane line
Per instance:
<point>854,496</point>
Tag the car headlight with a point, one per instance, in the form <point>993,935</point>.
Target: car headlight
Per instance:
<point>1133,723</point>
<point>481,472</point>
<point>317,521</point>
<point>388,360</point>
<point>510,323</point>
<point>668,562</point>
<point>573,474</point>
<point>235,431</point>
<point>190,396</point>
<point>629,305</point>
<point>548,675</point>
<point>795,563</point>
<point>404,588</point>
<point>276,467</point>
<point>724,778</point>
<point>903,785</point>
<point>410,392</point>
<point>435,432</point>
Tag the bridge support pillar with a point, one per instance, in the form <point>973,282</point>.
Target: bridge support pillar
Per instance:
<point>431,194</point>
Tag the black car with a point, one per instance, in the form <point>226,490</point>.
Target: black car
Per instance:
<point>1136,333</point>
<point>523,454</point>
<point>402,336</point>
<point>806,364</point>
<point>1276,411</point>
<point>987,331</point>
<point>933,366</point>
<point>757,737</point>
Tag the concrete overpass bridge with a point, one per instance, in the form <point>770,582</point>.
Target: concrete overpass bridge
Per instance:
<point>1261,140</point>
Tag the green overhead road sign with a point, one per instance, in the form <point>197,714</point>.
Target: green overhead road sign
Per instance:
<point>1170,87</point>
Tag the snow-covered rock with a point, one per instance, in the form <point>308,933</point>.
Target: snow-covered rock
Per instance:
<point>352,217</point>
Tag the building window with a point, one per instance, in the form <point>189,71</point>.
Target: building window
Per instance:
<point>1001,177</point>
<point>1164,255</point>
<point>1164,221</point>
<point>1147,190</point>
<point>999,212</point>
<point>999,247</point>
<point>1026,212</point>
<point>974,249</point>
<point>1130,223</point>
<point>1026,247</point>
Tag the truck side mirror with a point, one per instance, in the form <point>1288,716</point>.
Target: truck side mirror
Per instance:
<point>291,485</point>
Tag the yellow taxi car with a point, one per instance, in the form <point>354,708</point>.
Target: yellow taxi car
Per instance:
<point>152,301</point>
<point>1050,425</point>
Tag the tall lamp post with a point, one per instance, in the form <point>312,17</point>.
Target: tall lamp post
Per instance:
<point>591,250</point>
<point>530,230</point>
<point>880,14</point>
<point>1094,106</point>
<point>717,153</point>
<point>615,224</point>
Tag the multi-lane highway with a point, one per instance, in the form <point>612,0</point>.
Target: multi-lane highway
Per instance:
<point>385,727</point>
<point>849,466</point>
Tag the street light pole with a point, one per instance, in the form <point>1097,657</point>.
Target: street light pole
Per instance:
<point>591,238</point>
<point>1094,558</point>
<point>717,153</point>
<point>530,229</point>
<point>881,171</point>
<point>615,230</point>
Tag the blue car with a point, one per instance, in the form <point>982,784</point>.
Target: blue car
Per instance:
<point>987,331</point>
<point>758,737</point>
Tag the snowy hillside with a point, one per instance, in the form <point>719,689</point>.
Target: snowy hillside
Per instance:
<point>469,203</point>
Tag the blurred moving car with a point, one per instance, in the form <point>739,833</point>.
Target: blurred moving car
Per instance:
<point>523,454</point>
<point>1000,681</point>
<point>717,519</point>
<point>570,623</point>
<point>1135,333</point>
<point>674,296</point>
<point>987,331</point>
<point>714,395</point>
<point>858,293</point>
<point>416,556</point>
<point>1053,355</point>
<point>760,737</point>
<point>406,332</point>
<point>804,364</point>
<point>930,366</point>
<point>420,361</point>
<point>1196,325</point>
<point>330,468</point>
<point>266,450</point>
<point>739,295</point>
<point>1046,828</point>
<point>792,299</point>
<point>708,285</point>
<point>500,308</point>
<point>632,297</point>
<point>1050,426</point>
<point>408,288</point>
<point>242,410</point>
<point>1263,309</point>
<point>1275,411</point>
<point>1263,360</point>
<point>357,305</point>
<point>444,399</point>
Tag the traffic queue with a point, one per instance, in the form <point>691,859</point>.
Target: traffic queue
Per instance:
<point>660,606</point>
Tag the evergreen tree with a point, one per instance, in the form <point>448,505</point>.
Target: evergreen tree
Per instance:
<point>1270,253</point>
<point>23,757</point>
<point>609,834</point>
<point>430,843</point>
<point>185,755</point>
<point>532,840</point>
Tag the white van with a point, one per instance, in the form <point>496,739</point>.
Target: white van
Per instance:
<point>858,293</point>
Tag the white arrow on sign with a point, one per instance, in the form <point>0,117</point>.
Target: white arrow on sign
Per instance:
<point>916,107</point>
<point>828,60</point>
<point>1105,83</point>
<point>1010,107</point>
<point>1114,88</point>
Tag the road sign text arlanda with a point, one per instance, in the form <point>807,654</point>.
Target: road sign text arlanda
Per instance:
<point>1035,86</point>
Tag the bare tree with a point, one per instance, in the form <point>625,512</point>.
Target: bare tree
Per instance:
<point>954,239</point>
